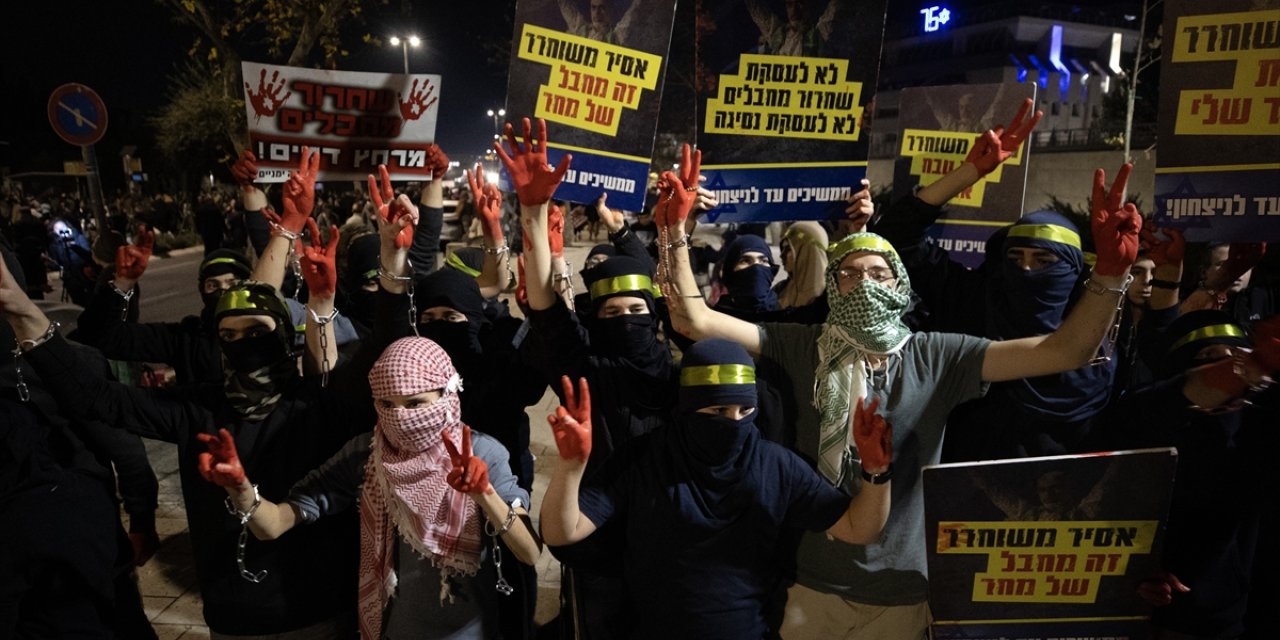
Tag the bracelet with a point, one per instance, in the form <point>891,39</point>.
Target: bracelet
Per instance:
<point>1096,287</point>
<point>506,526</point>
<point>877,478</point>
<point>497,251</point>
<point>682,242</point>
<point>278,230</point>
<point>127,295</point>
<point>383,273</point>
<point>323,320</point>
<point>244,515</point>
<point>1165,284</point>
<point>27,345</point>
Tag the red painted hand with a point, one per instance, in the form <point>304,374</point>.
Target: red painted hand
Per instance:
<point>488,202</point>
<point>999,144</point>
<point>1115,225</point>
<point>872,436</point>
<point>555,229</point>
<point>572,427</point>
<point>534,179</point>
<point>392,210</point>
<point>1242,257</point>
<point>245,170</point>
<point>677,193</point>
<point>300,192</point>
<point>1163,252</point>
<point>267,100</point>
<point>437,161</point>
<point>318,267</point>
<point>419,100</point>
<point>132,259</point>
<point>221,463</point>
<point>470,475</point>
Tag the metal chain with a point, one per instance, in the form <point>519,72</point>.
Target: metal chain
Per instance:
<point>295,265</point>
<point>24,394</point>
<point>502,586</point>
<point>413,307</point>
<point>244,516</point>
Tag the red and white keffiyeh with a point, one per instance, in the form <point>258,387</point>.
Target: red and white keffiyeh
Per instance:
<point>404,482</point>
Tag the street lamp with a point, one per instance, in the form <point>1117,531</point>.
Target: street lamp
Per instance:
<point>404,44</point>
<point>497,117</point>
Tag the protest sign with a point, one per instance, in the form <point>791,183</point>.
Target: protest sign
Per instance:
<point>1039,548</point>
<point>937,125</point>
<point>1219,126</point>
<point>593,70</point>
<point>356,121</point>
<point>784,90</point>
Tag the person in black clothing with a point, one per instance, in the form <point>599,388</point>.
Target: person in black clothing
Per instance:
<point>705,498</point>
<point>189,346</point>
<point>746,271</point>
<point>358,283</point>
<point>283,425</point>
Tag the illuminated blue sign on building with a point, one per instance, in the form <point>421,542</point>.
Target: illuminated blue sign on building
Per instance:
<point>935,17</point>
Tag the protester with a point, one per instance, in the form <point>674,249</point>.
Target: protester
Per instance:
<point>804,256</point>
<point>421,492</point>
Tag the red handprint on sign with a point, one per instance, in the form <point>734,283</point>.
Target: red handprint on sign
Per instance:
<point>417,104</point>
<point>268,99</point>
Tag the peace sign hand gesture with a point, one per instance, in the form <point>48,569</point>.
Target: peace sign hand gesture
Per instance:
<point>470,475</point>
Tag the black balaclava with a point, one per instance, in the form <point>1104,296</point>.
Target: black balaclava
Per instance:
<point>257,370</point>
<point>1191,332</point>
<point>631,338</point>
<point>469,260</point>
<point>749,289</point>
<point>715,452</point>
<point>362,268</point>
<point>219,262</point>
<point>598,250</point>
<point>456,290</point>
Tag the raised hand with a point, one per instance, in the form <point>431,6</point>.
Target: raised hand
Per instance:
<point>437,161</point>
<point>245,170</point>
<point>999,144</point>
<point>419,100</point>
<point>1157,590</point>
<point>393,212</point>
<point>534,179</point>
<point>677,193</point>
<point>860,207</point>
<point>555,229</point>
<point>1163,252</point>
<point>267,100</point>
<point>300,192</point>
<point>1115,224</point>
<point>132,259</point>
<point>318,262</point>
<point>613,220</point>
<point>572,427</point>
<point>221,463</point>
<point>469,475</point>
<point>872,436</point>
<point>488,203</point>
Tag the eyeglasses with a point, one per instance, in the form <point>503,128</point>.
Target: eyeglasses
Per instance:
<point>879,274</point>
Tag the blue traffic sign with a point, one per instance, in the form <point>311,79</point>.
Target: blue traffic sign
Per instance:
<point>77,114</point>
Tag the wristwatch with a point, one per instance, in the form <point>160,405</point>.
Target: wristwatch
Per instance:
<point>877,478</point>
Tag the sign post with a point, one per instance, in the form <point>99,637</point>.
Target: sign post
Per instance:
<point>79,117</point>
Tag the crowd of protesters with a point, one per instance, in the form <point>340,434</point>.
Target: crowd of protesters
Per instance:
<point>739,453</point>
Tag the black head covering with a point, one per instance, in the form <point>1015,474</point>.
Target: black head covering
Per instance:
<point>630,338</point>
<point>619,276</point>
<point>1190,333</point>
<point>459,291</point>
<point>749,289</point>
<point>223,261</point>
<point>469,260</point>
<point>362,260</point>
<point>256,369</point>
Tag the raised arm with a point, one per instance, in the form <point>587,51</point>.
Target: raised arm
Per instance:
<point>221,465</point>
<point>252,200</point>
<point>1115,234</point>
<point>690,314</point>
<point>562,520</point>
<point>470,475</point>
<point>321,276</point>
<point>299,200</point>
<point>988,151</point>
<point>396,219</point>
<point>869,510</point>
<point>1167,254</point>
<point>426,234</point>
<point>496,274</point>
<point>535,182</point>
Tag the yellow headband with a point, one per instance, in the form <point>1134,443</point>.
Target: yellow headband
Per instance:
<point>457,263</point>
<point>619,284</point>
<point>1211,331</point>
<point>714,374</point>
<point>863,243</point>
<point>1050,232</point>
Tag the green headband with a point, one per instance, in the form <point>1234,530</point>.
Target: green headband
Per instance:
<point>370,274</point>
<point>715,374</point>
<point>1211,331</point>
<point>619,284</point>
<point>1050,232</point>
<point>457,263</point>
<point>863,243</point>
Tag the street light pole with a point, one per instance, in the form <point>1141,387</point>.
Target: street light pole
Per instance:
<point>497,116</point>
<point>405,43</point>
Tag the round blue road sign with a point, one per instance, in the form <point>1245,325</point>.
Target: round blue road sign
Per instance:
<point>77,114</point>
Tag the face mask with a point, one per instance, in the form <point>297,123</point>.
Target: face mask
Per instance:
<point>248,355</point>
<point>418,429</point>
<point>629,336</point>
<point>360,306</point>
<point>871,313</point>
<point>714,440</point>
<point>456,338</point>
<point>1033,302</point>
<point>750,288</point>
